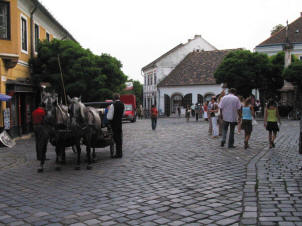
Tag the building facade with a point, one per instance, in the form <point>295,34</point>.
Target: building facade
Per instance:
<point>22,24</point>
<point>157,70</point>
<point>192,81</point>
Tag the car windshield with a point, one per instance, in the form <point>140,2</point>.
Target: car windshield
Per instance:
<point>128,107</point>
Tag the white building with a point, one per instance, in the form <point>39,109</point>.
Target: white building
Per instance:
<point>157,70</point>
<point>192,81</point>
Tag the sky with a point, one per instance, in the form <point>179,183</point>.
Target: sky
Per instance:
<point>137,32</point>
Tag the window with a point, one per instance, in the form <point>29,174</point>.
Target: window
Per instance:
<point>154,78</point>
<point>300,57</point>
<point>47,36</point>
<point>37,31</point>
<point>24,34</point>
<point>4,21</point>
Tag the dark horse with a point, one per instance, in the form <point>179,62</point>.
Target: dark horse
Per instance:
<point>89,119</point>
<point>59,131</point>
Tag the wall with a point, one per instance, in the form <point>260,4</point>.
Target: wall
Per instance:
<point>183,90</point>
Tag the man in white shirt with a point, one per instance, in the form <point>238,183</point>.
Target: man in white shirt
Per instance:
<point>230,107</point>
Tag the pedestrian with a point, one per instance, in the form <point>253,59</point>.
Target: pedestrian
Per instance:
<point>210,131</point>
<point>230,108</point>
<point>178,111</point>
<point>188,112</point>
<point>38,118</point>
<point>241,98</point>
<point>115,114</point>
<point>213,114</point>
<point>248,114</point>
<point>271,116</point>
<point>154,114</point>
<point>141,110</point>
<point>205,111</point>
<point>197,111</point>
<point>219,120</point>
<point>192,110</point>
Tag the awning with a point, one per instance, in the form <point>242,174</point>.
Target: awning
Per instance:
<point>4,97</point>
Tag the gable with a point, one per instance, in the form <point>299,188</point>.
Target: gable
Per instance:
<point>294,34</point>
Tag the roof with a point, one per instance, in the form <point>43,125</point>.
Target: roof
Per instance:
<point>294,34</point>
<point>162,56</point>
<point>197,68</point>
<point>48,14</point>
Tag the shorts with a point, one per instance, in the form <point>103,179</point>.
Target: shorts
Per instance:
<point>272,126</point>
<point>247,126</point>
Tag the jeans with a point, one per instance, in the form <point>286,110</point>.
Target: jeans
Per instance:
<point>225,127</point>
<point>153,123</point>
<point>214,126</point>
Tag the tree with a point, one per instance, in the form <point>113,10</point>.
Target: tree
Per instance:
<point>293,74</point>
<point>272,79</point>
<point>242,70</point>
<point>276,29</point>
<point>92,77</point>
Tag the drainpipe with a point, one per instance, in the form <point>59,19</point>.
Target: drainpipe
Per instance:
<point>32,51</point>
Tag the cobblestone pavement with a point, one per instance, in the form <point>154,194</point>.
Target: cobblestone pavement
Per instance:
<point>176,175</point>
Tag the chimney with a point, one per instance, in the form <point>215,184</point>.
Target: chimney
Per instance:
<point>301,14</point>
<point>189,40</point>
<point>197,36</point>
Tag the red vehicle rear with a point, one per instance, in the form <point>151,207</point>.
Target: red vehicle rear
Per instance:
<point>129,100</point>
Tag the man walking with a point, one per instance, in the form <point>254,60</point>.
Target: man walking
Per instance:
<point>230,107</point>
<point>115,114</point>
<point>38,117</point>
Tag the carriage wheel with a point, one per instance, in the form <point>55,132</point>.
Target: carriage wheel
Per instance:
<point>111,150</point>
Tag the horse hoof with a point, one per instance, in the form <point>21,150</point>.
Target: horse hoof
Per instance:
<point>77,168</point>
<point>58,168</point>
<point>89,167</point>
<point>40,170</point>
<point>93,160</point>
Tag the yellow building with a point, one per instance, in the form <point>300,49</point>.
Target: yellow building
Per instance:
<point>22,24</point>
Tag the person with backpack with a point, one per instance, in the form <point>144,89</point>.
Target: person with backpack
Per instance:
<point>154,114</point>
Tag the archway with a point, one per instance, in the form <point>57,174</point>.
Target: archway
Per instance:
<point>176,101</point>
<point>208,96</point>
<point>187,100</point>
<point>199,98</point>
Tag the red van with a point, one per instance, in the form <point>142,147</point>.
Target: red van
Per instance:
<point>129,100</point>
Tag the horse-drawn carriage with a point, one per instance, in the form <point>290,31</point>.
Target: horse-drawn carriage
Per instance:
<point>72,126</point>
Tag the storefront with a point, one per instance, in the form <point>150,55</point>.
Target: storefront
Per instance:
<point>20,107</point>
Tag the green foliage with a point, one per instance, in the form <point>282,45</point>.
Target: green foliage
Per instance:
<point>293,73</point>
<point>276,29</point>
<point>246,71</point>
<point>92,77</point>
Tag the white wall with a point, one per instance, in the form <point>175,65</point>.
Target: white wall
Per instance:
<point>183,90</point>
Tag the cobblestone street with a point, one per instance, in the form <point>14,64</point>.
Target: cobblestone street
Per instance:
<point>176,175</point>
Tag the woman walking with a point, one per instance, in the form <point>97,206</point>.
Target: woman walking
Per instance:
<point>188,112</point>
<point>213,113</point>
<point>248,114</point>
<point>271,116</point>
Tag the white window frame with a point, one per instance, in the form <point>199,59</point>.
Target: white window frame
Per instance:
<point>25,18</point>
<point>34,45</point>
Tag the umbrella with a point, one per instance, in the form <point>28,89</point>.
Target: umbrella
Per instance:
<point>4,97</point>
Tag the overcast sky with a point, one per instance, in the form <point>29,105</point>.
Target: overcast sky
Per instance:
<point>138,31</point>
